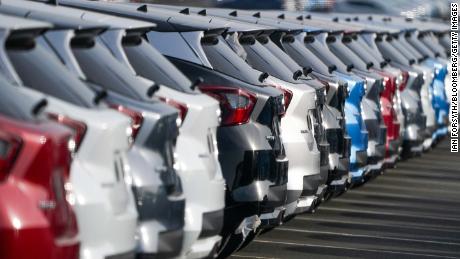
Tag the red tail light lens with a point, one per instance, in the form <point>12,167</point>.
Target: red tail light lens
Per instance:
<point>63,220</point>
<point>9,149</point>
<point>136,119</point>
<point>236,104</point>
<point>183,109</point>
<point>404,78</point>
<point>287,97</point>
<point>78,128</point>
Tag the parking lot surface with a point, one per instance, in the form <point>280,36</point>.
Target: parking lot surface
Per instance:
<point>412,211</point>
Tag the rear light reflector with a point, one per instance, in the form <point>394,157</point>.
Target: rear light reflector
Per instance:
<point>236,104</point>
<point>9,149</point>
<point>403,80</point>
<point>136,119</point>
<point>183,109</point>
<point>78,128</point>
<point>287,98</point>
<point>63,220</point>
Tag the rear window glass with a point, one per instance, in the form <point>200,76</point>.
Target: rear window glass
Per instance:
<point>304,57</point>
<point>224,60</point>
<point>42,71</point>
<point>12,104</point>
<point>363,53</point>
<point>101,68</point>
<point>322,52</point>
<point>263,60</point>
<point>390,52</point>
<point>275,50</point>
<point>149,63</point>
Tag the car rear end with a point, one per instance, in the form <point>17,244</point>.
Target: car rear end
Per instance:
<point>36,208</point>
<point>371,102</point>
<point>389,102</point>
<point>301,113</point>
<point>250,149</point>
<point>415,122</point>
<point>334,155</point>
<point>356,128</point>
<point>97,170</point>
<point>151,175</point>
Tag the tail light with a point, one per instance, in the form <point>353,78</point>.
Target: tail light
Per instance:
<point>136,119</point>
<point>287,98</point>
<point>58,209</point>
<point>62,217</point>
<point>403,80</point>
<point>78,128</point>
<point>9,149</point>
<point>183,109</point>
<point>236,104</point>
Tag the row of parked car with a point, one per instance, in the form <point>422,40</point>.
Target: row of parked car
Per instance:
<point>133,130</point>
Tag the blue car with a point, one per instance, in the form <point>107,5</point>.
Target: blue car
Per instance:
<point>355,127</point>
<point>439,97</point>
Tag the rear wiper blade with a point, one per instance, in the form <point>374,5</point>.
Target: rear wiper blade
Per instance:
<point>100,95</point>
<point>39,107</point>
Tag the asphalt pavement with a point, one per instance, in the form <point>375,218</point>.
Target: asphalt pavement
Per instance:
<point>412,211</point>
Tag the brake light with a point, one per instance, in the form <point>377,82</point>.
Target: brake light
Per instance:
<point>9,149</point>
<point>403,80</point>
<point>78,128</point>
<point>236,104</point>
<point>62,217</point>
<point>136,119</point>
<point>183,109</point>
<point>287,98</point>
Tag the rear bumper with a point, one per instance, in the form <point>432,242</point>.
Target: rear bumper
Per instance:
<point>276,198</point>
<point>393,147</point>
<point>361,160</point>
<point>359,169</point>
<point>169,245</point>
<point>212,223</point>
<point>125,255</point>
<point>261,176</point>
<point>392,154</point>
<point>272,219</point>
<point>376,161</point>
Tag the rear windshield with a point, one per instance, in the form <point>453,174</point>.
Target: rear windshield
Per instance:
<point>263,60</point>
<point>322,52</point>
<point>101,68</point>
<point>281,55</point>
<point>390,52</point>
<point>149,63</point>
<point>361,43</point>
<point>346,55</point>
<point>304,57</point>
<point>403,49</point>
<point>224,60</point>
<point>12,104</point>
<point>42,71</point>
<point>362,52</point>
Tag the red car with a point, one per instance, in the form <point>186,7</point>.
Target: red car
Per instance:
<point>36,216</point>
<point>389,116</point>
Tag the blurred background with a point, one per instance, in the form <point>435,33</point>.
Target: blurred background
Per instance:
<point>408,8</point>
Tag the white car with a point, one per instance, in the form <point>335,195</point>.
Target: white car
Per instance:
<point>106,214</point>
<point>297,131</point>
<point>196,149</point>
<point>151,176</point>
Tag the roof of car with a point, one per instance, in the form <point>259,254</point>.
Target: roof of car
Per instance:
<point>8,22</point>
<point>71,18</point>
<point>233,25</point>
<point>256,17</point>
<point>166,20</point>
